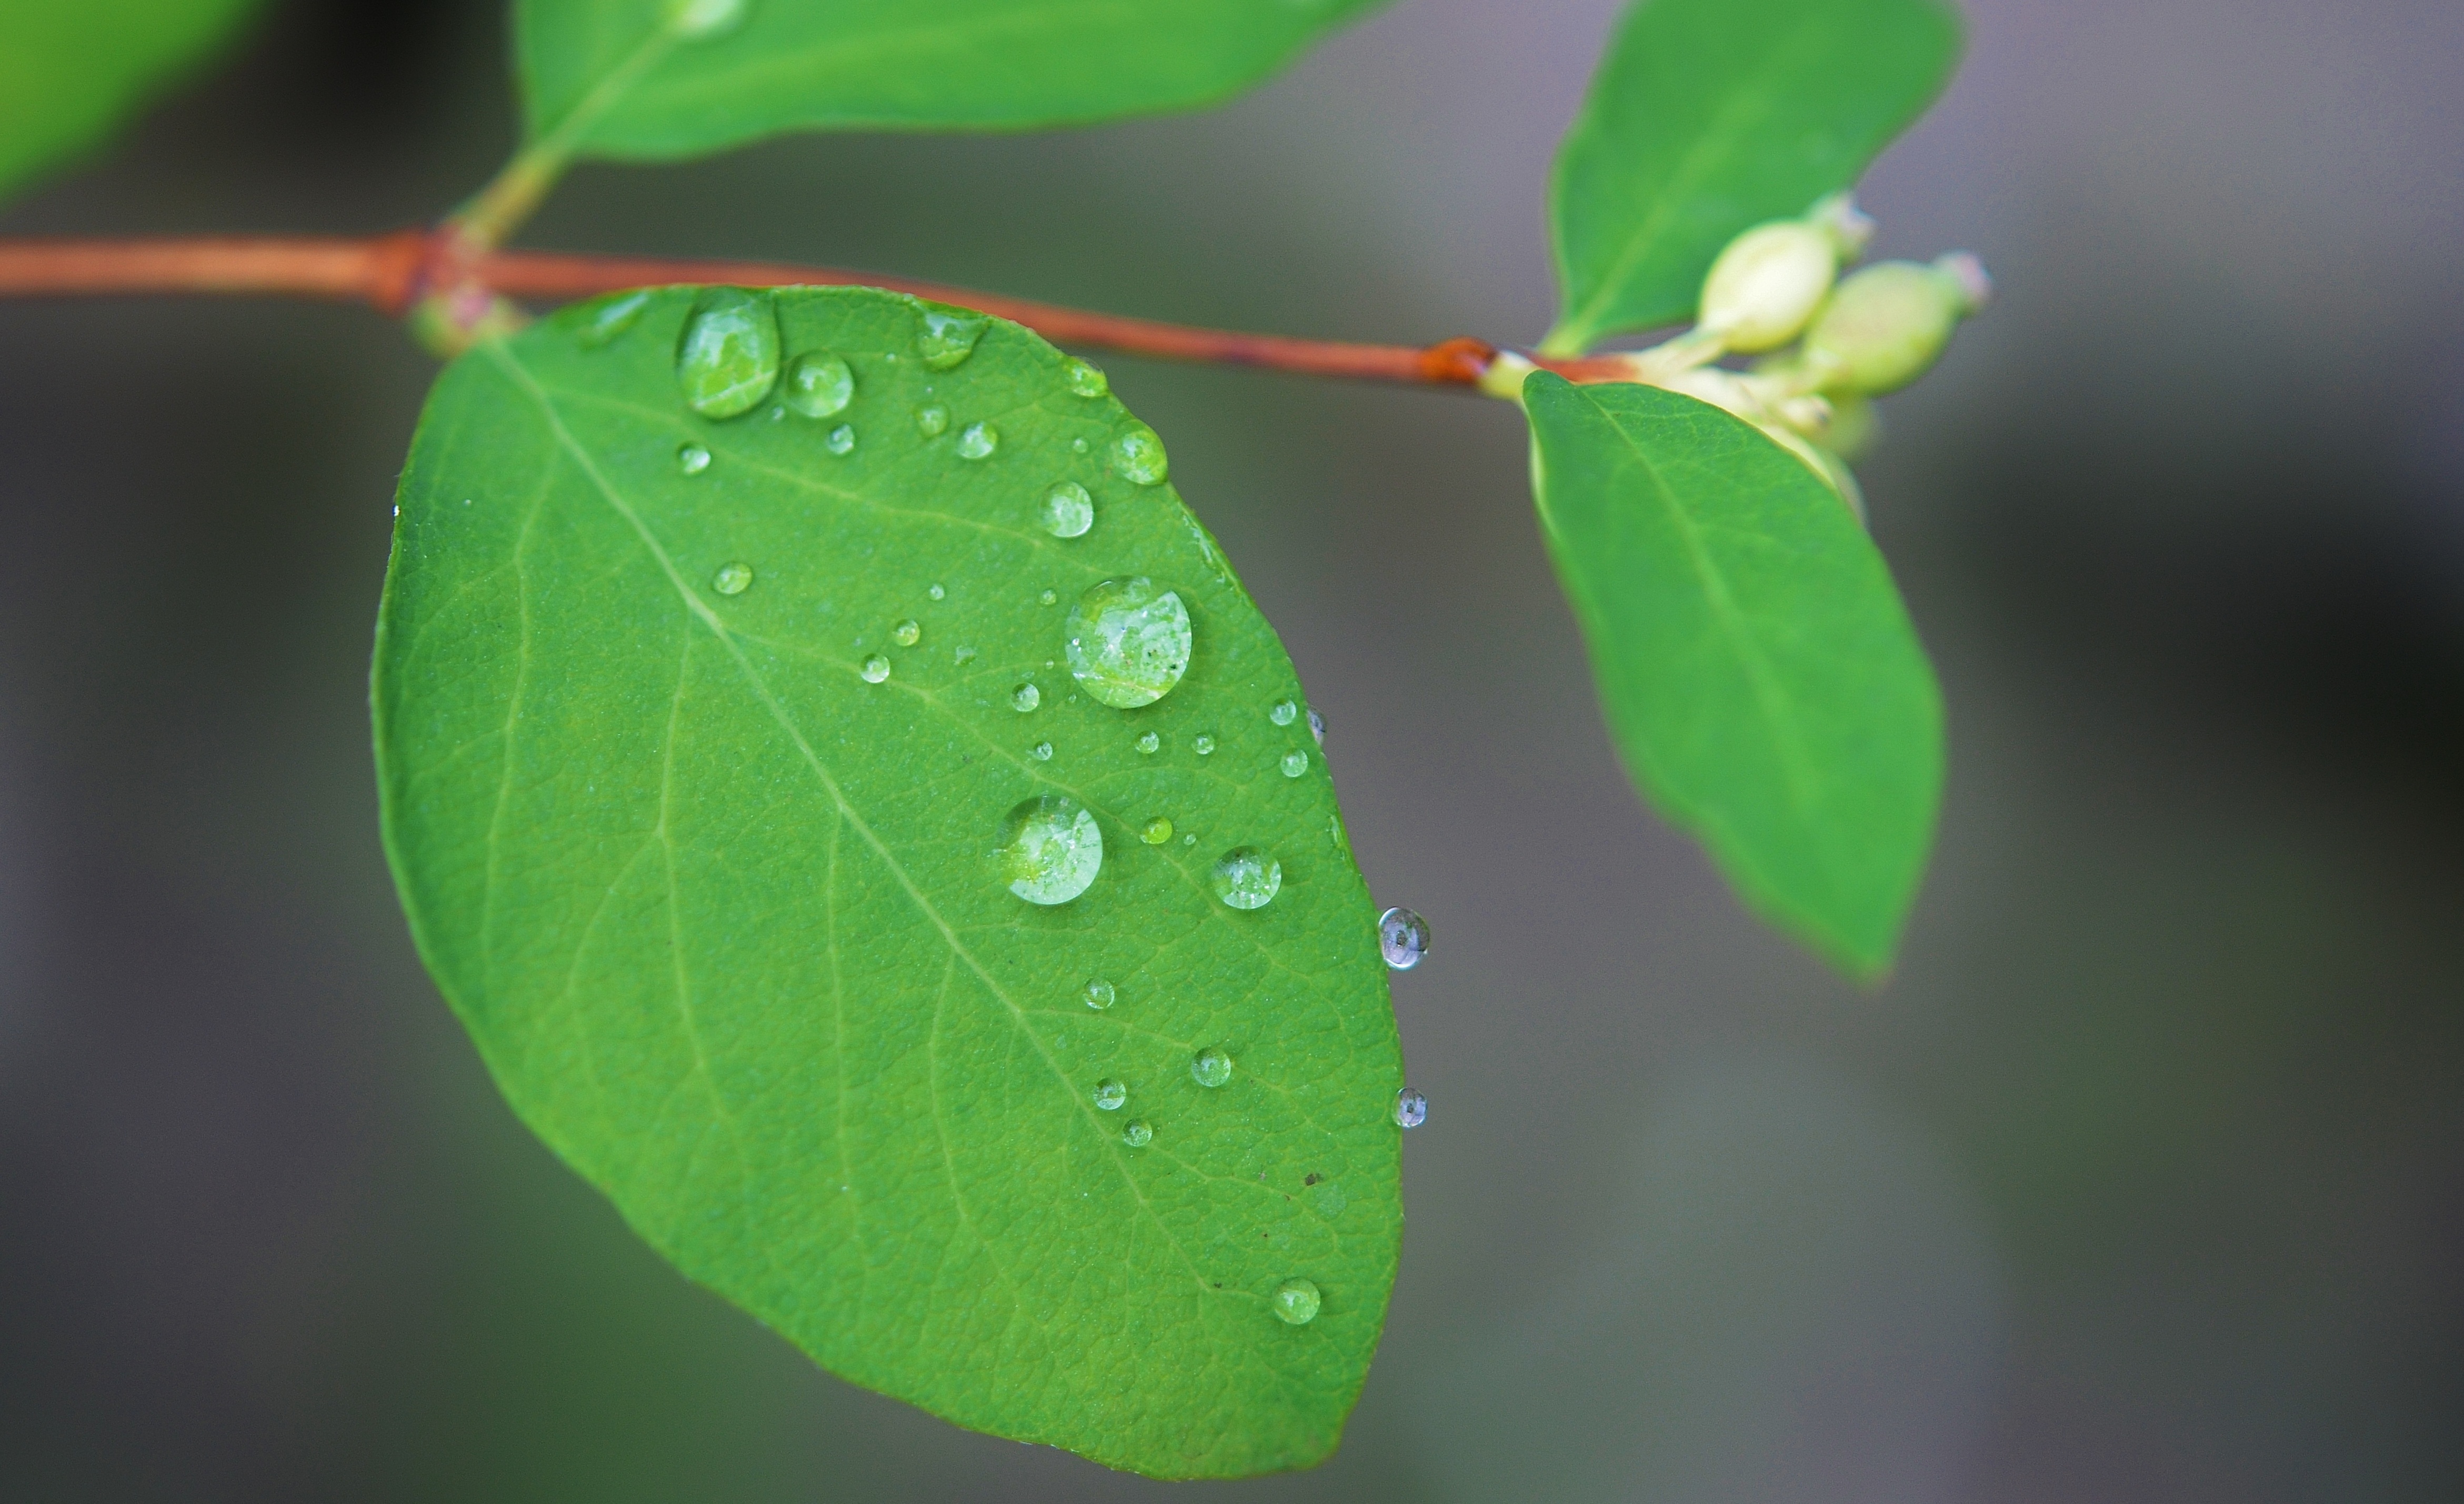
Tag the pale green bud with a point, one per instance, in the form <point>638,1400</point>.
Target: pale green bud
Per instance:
<point>1769,281</point>
<point>1886,325</point>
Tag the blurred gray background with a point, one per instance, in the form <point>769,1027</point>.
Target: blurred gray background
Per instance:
<point>2144,1179</point>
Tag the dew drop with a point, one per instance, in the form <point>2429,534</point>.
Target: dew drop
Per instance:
<point>1128,642</point>
<point>1136,1133</point>
<point>1411,1108</point>
<point>1203,744</point>
<point>906,633</point>
<point>842,439</point>
<point>1101,994</point>
<point>1246,878</point>
<point>819,386</point>
<point>1282,712</point>
<point>605,322</point>
<point>732,579</point>
<point>1084,379</point>
<point>1295,763</point>
<point>1041,751</point>
<point>692,459</point>
<point>1156,831</point>
<point>1078,445</point>
<point>1049,598</point>
<point>962,654</point>
<point>727,359</point>
<point>1189,840</point>
<point>1138,455</point>
<point>978,441</point>
<point>1295,1301</point>
<point>1317,727</point>
<point>1069,511</point>
<point>1109,1095</point>
<point>936,592</point>
<point>1050,849</point>
<point>1150,743</point>
<point>947,339</point>
<point>875,669</point>
<point>1402,938</point>
<point>695,19</point>
<point>1211,1066</point>
<point>932,420</point>
<point>1026,697</point>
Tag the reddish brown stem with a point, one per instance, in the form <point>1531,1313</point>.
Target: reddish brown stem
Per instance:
<point>393,271</point>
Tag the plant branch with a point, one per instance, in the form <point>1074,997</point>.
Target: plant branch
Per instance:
<point>393,273</point>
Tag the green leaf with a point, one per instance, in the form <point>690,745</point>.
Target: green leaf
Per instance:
<point>621,78</point>
<point>721,907</point>
<point>70,72</point>
<point>1708,117</point>
<point>1758,671</point>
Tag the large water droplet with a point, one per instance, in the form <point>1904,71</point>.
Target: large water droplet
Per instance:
<point>1026,697</point>
<point>692,459</point>
<point>727,359</point>
<point>947,337</point>
<point>1211,1066</point>
<point>875,669</point>
<point>1282,712</point>
<point>732,579</point>
<point>1109,1095</point>
<point>1317,727</point>
<point>978,441</point>
<point>1069,511</point>
<point>1050,849</point>
<point>1136,1133</point>
<point>819,386</point>
<point>1402,938</point>
<point>1295,1301</point>
<point>605,322</point>
<point>842,439</point>
<point>1295,763</point>
<point>932,420</point>
<point>1246,878</point>
<point>1156,831</point>
<point>695,19</point>
<point>1084,379</point>
<point>1139,456</point>
<point>1148,742</point>
<point>1041,751</point>
<point>1128,642</point>
<point>1101,994</point>
<point>1411,1108</point>
<point>906,633</point>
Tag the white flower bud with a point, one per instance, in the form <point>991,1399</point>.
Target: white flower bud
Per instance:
<point>1887,325</point>
<point>1770,279</point>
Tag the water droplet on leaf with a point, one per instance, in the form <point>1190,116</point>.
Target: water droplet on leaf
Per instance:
<point>819,386</point>
<point>1100,994</point>
<point>695,19</point>
<point>1139,456</point>
<point>875,669</point>
<point>947,339</point>
<point>932,420</point>
<point>962,654</point>
<point>1109,1095</point>
<point>1069,511</point>
<point>605,322</point>
<point>1295,763</point>
<point>1049,598</point>
<point>1128,642</point>
<point>906,633</point>
<point>1203,744</point>
<point>1411,1108</point>
<point>1246,878</point>
<point>1026,697</point>
<point>1148,742</point>
<point>1282,712</point>
<point>1156,831</point>
<point>936,592</point>
<point>842,439</point>
<point>1295,1301</point>
<point>1402,938</point>
<point>1041,751</point>
<point>1050,849</point>
<point>727,359</point>
<point>1136,1133</point>
<point>1211,1066</point>
<point>1084,379</point>
<point>692,459</point>
<point>732,579</point>
<point>978,441</point>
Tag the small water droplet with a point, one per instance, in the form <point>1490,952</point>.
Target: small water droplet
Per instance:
<point>875,669</point>
<point>906,633</point>
<point>1049,598</point>
<point>1078,445</point>
<point>1138,455</point>
<point>948,337</point>
<point>936,592</point>
<point>1084,379</point>
<point>1203,744</point>
<point>842,439</point>
<point>1282,712</point>
<point>605,322</point>
<point>1411,1108</point>
<point>962,654</point>
<point>1189,840</point>
<point>1317,727</point>
<point>1109,1095</point>
<point>1295,1301</point>
<point>1136,1133</point>
<point>819,386</point>
<point>695,19</point>
<point>1402,938</point>
<point>978,441</point>
<point>1026,697</point>
<point>692,459</point>
<point>1148,742</point>
<point>732,579</point>
<point>1050,849</point>
<point>1248,878</point>
<point>1041,751</point>
<point>1211,1066</point>
<point>1295,763</point>
<point>932,420</point>
<point>727,358</point>
<point>1156,831</point>
<point>1069,511</point>
<point>1128,642</point>
<point>1101,994</point>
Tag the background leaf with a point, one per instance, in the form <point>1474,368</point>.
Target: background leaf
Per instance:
<point>722,916</point>
<point>1757,669</point>
<point>70,72</point>
<point>1710,116</point>
<point>615,80</point>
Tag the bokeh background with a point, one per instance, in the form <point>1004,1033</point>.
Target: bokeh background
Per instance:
<point>2143,1179</point>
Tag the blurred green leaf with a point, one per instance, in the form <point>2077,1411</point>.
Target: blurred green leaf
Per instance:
<point>1754,661</point>
<point>70,72</point>
<point>1707,117</point>
<point>621,78</point>
<point>723,913</point>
